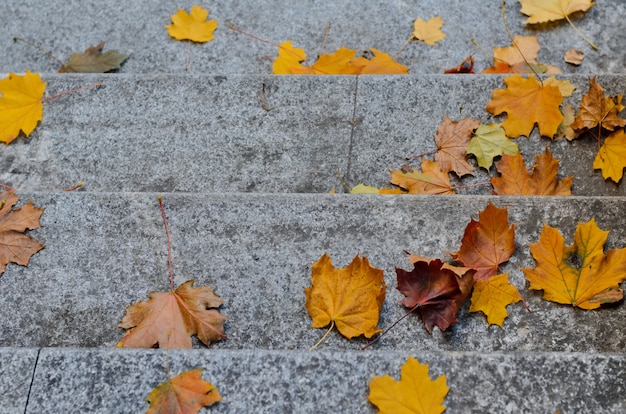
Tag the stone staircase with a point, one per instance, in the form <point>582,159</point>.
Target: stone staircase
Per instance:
<point>246,193</point>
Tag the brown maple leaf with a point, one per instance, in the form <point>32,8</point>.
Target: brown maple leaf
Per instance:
<point>186,393</point>
<point>467,66</point>
<point>581,274</point>
<point>432,180</point>
<point>92,60</point>
<point>15,246</point>
<point>487,243</point>
<point>527,102</point>
<point>434,290</point>
<point>452,140</point>
<point>169,319</point>
<point>598,110</point>
<point>516,180</point>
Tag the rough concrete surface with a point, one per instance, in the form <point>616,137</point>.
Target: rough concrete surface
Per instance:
<point>106,251</point>
<point>138,29</point>
<point>17,367</point>
<point>205,133</point>
<point>113,380</point>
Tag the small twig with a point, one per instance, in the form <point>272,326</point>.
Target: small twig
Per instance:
<point>388,329</point>
<point>76,187</point>
<point>332,325</point>
<point>342,181</point>
<point>475,43</point>
<point>236,29</point>
<point>82,88</point>
<point>263,102</point>
<point>187,55</point>
<point>169,243</point>
<point>39,48</point>
<point>403,47</point>
<point>8,187</point>
<point>421,154</point>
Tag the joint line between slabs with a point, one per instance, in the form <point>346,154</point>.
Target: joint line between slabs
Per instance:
<point>32,380</point>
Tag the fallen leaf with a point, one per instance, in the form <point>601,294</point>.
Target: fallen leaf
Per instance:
<point>490,141</point>
<point>565,129</point>
<point>169,319</point>
<point>186,393</point>
<point>611,157</point>
<point>434,289</point>
<point>541,11</point>
<point>564,86</point>
<point>581,274</point>
<point>289,57</point>
<point>467,66</point>
<point>93,60</point>
<point>428,31</point>
<point>350,298</point>
<point>192,26</point>
<point>527,102</point>
<point>336,63</point>
<point>369,189</point>
<point>492,296</point>
<point>432,180</point>
<point>414,393</point>
<point>487,243</point>
<point>379,64</point>
<point>521,59</point>
<point>597,109</point>
<point>15,246</point>
<point>516,180</point>
<point>452,140</point>
<point>21,107</point>
<point>574,56</point>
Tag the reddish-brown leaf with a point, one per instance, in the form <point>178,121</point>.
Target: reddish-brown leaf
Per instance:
<point>597,109</point>
<point>435,289</point>
<point>15,246</point>
<point>487,243</point>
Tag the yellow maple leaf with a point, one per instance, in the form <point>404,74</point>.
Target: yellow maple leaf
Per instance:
<point>350,298</point>
<point>192,26</point>
<point>336,63</point>
<point>581,274</point>
<point>541,11</point>
<point>432,179</point>
<point>611,157</point>
<point>527,102</point>
<point>428,31</point>
<point>414,393</point>
<point>370,189</point>
<point>186,393</point>
<point>492,296</point>
<point>21,107</point>
<point>289,57</point>
<point>380,64</point>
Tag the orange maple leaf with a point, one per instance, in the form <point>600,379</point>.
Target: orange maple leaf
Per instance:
<point>581,274</point>
<point>186,393</point>
<point>452,140</point>
<point>516,180</point>
<point>192,26</point>
<point>380,64</point>
<point>611,157</point>
<point>432,180</point>
<point>15,246</point>
<point>598,110</point>
<point>414,393</point>
<point>428,31</point>
<point>169,319</point>
<point>487,243</point>
<point>350,298</point>
<point>492,296</point>
<point>511,59</point>
<point>527,102</point>
<point>21,107</point>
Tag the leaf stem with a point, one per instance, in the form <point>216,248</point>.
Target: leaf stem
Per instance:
<point>508,32</point>
<point>39,48</point>
<point>325,38</point>
<point>580,33</point>
<point>8,187</point>
<point>343,182</point>
<point>187,55</point>
<point>332,325</point>
<point>403,47</point>
<point>236,29</point>
<point>388,329</point>
<point>169,243</point>
<point>58,95</point>
<point>76,187</point>
<point>421,154</point>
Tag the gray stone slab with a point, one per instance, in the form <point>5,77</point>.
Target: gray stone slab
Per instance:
<point>397,117</point>
<point>187,133</point>
<point>138,29</point>
<point>17,367</point>
<point>113,380</point>
<point>106,251</point>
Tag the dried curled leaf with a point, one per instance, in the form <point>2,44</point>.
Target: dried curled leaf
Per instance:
<point>351,297</point>
<point>581,274</point>
<point>574,57</point>
<point>414,393</point>
<point>15,246</point>
<point>169,319</point>
<point>93,60</point>
<point>186,393</point>
<point>20,105</point>
<point>192,26</point>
